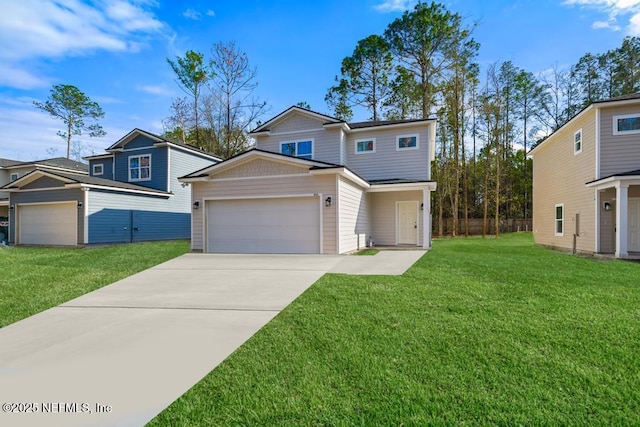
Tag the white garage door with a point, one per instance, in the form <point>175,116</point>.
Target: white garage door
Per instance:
<point>48,224</point>
<point>279,225</point>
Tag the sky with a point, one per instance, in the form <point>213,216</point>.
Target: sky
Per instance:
<point>116,51</point>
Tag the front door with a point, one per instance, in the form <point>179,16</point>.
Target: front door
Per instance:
<point>407,217</point>
<point>634,225</point>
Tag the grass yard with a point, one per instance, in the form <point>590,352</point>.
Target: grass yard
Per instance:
<point>34,279</point>
<point>493,331</point>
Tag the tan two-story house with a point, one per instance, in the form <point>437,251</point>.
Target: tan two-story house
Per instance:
<point>586,181</point>
<point>317,184</point>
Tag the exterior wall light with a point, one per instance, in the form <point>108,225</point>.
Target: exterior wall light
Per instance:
<point>79,205</point>
<point>196,204</point>
<point>327,201</point>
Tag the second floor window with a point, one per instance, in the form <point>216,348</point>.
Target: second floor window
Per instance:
<point>140,168</point>
<point>625,124</point>
<point>98,169</point>
<point>14,176</point>
<point>366,146</point>
<point>303,149</point>
<point>407,142</point>
<point>577,142</point>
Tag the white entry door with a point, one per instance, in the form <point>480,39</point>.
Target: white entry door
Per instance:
<point>407,223</point>
<point>634,225</point>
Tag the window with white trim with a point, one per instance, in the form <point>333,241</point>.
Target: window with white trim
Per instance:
<point>98,169</point>
<point>407,142</point>
<point>626,124</point>
<point>560,219</point>
<point>366,146</point>
<point>577,142</point>
<point>302,149</point>
<point>14,176</point>
<point>140,168</point>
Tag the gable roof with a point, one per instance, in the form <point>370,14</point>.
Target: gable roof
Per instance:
<point>292,110</point>
<point>632,98</point>
<point>82,180</point>
<point>261,153</point>
<point>159,141</point>
<point>329,121</point>
<point>53,163</point>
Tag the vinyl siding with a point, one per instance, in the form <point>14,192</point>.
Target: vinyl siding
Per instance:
<point>44,182</point>
<point>61,195</point>
<point>260,167</point>
<point>265,186</point>
<point>618,153</point>
<point>183,163</point>
<point>297,122</point>
<point>559,177</point>
<point>386,162</point>
<point>107,165</point>
<point>326,142</point>
<point>158,166</point>
<point>113,218</point>
<point>353,216</point>
<point>383,215</point>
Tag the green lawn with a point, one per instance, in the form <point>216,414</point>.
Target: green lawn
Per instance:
<point>35,279</point>
<point>493,332</point>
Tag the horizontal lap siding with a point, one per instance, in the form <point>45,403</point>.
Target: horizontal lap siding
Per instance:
<point>618,153</point>
<point>158,167</point>
<point>58,195</point>
<point>44,182</point>
<point>353,216</point>
<point>111,216</point>
<point>265,186</point>
<point>326,142</point>
<point>386,162</point>
<point>559,176</point>
<point>107,167</point>
<point>383,215</point>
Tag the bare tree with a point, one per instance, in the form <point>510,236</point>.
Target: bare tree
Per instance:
<point>233,85</point>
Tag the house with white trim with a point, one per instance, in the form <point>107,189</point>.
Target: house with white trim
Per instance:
<point>586,181</point>
<point>317,184</point>
<point>130,194</point>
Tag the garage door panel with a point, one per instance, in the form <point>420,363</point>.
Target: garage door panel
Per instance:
<point>48,224</point>
<point>280,225</point>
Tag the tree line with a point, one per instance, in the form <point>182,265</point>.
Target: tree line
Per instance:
<point>424,64</point>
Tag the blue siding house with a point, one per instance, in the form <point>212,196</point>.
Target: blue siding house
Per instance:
<point>131,194</point>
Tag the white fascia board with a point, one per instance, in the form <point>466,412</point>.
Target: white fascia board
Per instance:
<point>393,126</point>
<point>119,189</point>
<point>614,181</point>
<point>195,179</point>
<point>407,186</point>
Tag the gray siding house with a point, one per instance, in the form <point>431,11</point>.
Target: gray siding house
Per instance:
<point>130,194</point>
<point>317,184</point>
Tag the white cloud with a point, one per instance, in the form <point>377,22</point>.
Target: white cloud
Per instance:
<point>192,14</point>
<point>41,29</point>
<point>156,90</point>
<point>394,5</point>
<point>615,10</point>
<point>211,13</point>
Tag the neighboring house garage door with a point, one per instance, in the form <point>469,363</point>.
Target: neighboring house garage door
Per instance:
<point>278,225</point>
<point>48,224</point>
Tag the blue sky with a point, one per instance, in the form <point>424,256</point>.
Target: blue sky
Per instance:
<point>115,51</point>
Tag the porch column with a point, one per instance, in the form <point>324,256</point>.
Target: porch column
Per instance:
<point>426,218</point>
<point>622,200</point>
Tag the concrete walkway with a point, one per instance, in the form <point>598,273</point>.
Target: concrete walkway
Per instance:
<point>119,355</point>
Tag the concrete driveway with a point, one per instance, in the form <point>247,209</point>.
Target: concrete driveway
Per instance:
<point>120,355</point>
